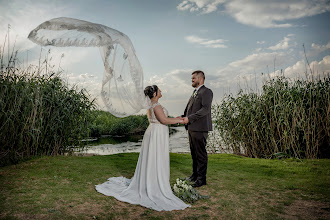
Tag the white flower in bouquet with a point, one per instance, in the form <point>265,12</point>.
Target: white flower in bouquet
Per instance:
<point>183,190</point>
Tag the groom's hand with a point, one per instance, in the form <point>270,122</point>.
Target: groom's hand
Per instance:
<point>181,120</point>
<point>185,120</point>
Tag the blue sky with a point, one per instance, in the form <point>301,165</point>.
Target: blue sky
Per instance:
<point>232,41</point>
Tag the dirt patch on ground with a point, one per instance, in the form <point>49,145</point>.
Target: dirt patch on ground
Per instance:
<point>307,209</point>
<point>86,208</point>
<point>31,217</point>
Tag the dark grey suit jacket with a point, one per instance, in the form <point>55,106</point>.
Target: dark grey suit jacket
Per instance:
<point>198,110</point>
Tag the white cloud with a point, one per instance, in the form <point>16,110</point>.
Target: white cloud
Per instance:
<point>246,73</point>
<point>175,86</point>
<point>243,74</point>
<point>240,74</point>
<point>255,61</point>
<point>90,82</point>
<point>320,48</point>
<point>261,42</point>
<point>24,17</point>
<point>202,6</point>
<point>176,89</point>
<point>175,83</point>
<point>283,44</point>
<point>218,43</point>
<point>260,13</point>
<point>299,69</point>
<point>247,68</point>
<point>63,58</point>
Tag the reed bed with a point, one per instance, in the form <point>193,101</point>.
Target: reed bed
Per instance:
<point>286,119</point>
<point>39,113</point>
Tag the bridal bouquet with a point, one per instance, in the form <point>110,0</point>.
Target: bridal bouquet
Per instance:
<point>184,190</point>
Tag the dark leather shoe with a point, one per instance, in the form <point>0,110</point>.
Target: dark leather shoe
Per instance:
<point>192,178</point>
<point>199,183</point>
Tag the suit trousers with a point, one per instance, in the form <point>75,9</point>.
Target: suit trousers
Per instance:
<point>197,142</point>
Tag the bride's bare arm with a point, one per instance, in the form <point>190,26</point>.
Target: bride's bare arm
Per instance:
<point>161,117</point>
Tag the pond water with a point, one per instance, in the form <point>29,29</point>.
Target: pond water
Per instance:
<point>114,145</point>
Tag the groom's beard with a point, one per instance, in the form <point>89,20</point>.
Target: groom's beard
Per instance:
<point>195,85</point>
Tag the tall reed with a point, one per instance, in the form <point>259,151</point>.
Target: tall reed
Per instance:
<point>39,113</point>
<point>288,118</point>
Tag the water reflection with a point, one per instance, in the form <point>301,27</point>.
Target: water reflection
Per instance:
<point>115,140</point>
<point>114,145</point>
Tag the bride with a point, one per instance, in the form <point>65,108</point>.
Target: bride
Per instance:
<point>150,186</point>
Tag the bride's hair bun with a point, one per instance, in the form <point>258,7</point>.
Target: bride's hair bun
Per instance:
<point>150,90</point>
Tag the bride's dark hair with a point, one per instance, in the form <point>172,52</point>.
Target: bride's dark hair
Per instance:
<point>150,90</point>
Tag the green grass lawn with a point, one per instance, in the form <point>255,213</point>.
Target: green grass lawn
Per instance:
<point>62,187</point>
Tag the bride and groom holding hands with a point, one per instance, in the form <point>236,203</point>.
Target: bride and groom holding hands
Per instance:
<point>150,186</point>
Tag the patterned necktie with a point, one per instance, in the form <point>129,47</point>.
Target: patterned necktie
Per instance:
<point>193,92</point>
<point>191,100</point>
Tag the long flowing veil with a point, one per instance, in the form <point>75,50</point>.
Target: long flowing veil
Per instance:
<point>122,85</point>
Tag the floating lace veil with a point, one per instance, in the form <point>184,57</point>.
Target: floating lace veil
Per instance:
<point>122,84</point>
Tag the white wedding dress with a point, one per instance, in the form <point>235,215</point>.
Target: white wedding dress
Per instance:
<point>150,185</point>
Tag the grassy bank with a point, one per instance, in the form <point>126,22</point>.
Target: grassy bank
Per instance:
<point>240,188</point>
<point>104,123</point>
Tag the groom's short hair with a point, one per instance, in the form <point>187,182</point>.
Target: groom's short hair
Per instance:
<point>199,73</point>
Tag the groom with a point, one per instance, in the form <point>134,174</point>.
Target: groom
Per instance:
<point>197,120</point>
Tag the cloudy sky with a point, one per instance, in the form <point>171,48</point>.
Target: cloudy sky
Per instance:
<point>232,41</point>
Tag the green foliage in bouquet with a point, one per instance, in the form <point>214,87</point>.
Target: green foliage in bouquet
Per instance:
<point>183,189</point>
